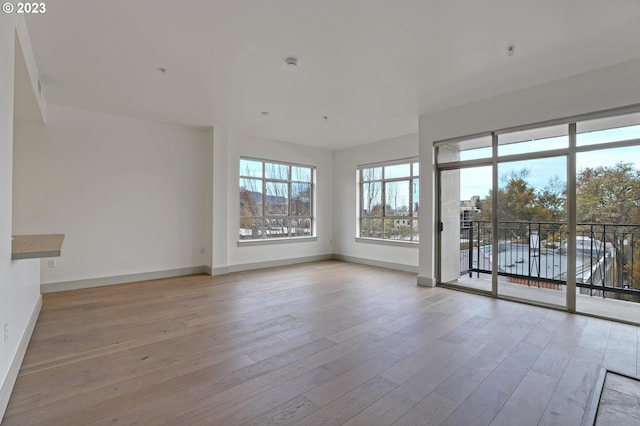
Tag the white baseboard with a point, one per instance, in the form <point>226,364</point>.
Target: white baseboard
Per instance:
<point>426,282</point>
<point>274,263</point>
<point>14,368</point>
<point>222,270</point>
<point>379,263</point>
<point>121,279</point>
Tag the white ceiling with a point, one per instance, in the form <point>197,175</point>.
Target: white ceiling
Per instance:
<point>371,66</point>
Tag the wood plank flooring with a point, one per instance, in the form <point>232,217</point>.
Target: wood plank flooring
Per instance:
<point>320,343</point>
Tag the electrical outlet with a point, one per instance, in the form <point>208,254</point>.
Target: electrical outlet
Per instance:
<point>6,331</point>
<point>52,263</point>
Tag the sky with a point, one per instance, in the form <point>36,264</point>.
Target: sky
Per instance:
<point>477,181</point>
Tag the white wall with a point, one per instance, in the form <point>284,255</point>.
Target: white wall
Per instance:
<point>130,195</point>
<point>345,199</point>
<point>208,212</point>
<point>606,88</point>
<point>229,146</point>
<point>220,200</point>
<point>19,280</point>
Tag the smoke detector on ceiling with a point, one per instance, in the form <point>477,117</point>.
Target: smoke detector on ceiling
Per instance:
<point>291,62</point>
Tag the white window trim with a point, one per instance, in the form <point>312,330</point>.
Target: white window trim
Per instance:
<point>267,241</point>
<point>386,241</point>
<point>290,181</point>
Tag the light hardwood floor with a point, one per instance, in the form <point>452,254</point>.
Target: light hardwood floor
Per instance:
<point>321,343</point>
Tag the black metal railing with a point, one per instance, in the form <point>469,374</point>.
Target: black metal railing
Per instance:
<point>535,254</point>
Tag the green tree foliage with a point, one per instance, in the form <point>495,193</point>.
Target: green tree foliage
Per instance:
<point>553,198</point>
<point>611,195</point>
<point>608,194</point>
<point>519,201</point>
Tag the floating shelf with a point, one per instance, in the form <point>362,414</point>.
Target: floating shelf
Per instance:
<point>36,246</point>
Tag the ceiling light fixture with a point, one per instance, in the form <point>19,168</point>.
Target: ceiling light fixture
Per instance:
<point>291,62</point>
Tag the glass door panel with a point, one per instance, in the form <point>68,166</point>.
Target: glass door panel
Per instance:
<point>608,231</point>
<point>465,240</point>
<point>532,225</point>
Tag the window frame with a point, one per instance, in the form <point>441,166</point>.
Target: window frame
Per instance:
<point>412,178</point>
<point>265,216</point>
<point>573,124</point>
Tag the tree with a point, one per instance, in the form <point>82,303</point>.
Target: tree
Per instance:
<point>516,199</point>
<point>611,195</point>
<point>248,207</point>
<point>519,201</point>
<point>553,198</point>
<point>371,196</point>
<point>524,206</point>
<point>608,194</point>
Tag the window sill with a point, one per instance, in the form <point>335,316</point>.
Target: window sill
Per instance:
<point>268,241</point>
<point>397,243</point>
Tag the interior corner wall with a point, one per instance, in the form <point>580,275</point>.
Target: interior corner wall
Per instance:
<point>345,192</point>
<point>208,200</point>
<point>220,201</point>
<point>229,146</point>
<point>19,280</point>
<point>130,195</point>
<point>605,88</point>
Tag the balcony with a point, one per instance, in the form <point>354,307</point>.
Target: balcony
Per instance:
<point>533,264</point>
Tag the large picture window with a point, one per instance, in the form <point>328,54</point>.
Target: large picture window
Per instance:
<point>389,201</point>
<point>276,200</point>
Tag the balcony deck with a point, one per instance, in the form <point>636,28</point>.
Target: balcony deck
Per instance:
<point>591,305</point>
<point>533,263</point>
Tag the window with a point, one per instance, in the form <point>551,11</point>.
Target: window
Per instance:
<point>554,208</point>
<point>276,200</point>
<point>389,201</point>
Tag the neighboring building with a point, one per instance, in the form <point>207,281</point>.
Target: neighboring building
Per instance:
<point>466,208</point>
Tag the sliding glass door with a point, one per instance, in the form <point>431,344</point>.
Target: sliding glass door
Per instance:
<point>532,224</point>
<point>608,217</point>
<point>465,240</point>
<point>548,214</point>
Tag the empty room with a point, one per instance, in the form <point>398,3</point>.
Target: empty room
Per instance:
<point>360,212</point>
